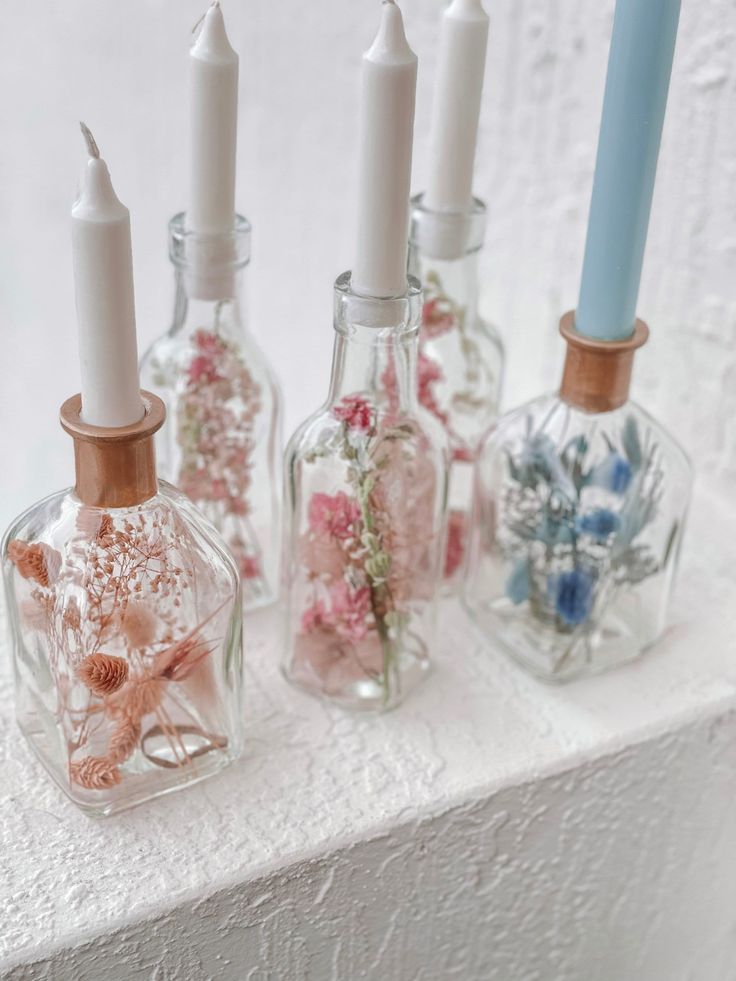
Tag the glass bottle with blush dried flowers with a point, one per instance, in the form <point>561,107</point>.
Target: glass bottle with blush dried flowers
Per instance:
<point>222,441</point>
<point>125,612</point>
<point>365,494</point>
<point>461,358</point>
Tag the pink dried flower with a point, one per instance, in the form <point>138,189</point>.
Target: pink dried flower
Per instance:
<point>334,515</point>
<point>403,506</point>
<point>428,374</point>
<point>356,412</point>
<point>38,562</point>
<point>314,617</point>
<point>455,549</point>
<point>462,454</point>
<point>348,613</point>
<point>250,567</point>
<point>208,343</point>
<point>202,369</point>
<point>350,609</point>
<point>323,555</point>
<point>103,673</point>
<point>437,318</point>
<point>95,773</point>
<point>219,490</point>
<point>323,658</point>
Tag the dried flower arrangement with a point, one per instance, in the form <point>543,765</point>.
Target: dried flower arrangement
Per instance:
<point>111,614</point>
<point>367,555</point>
<point>217,407</point>
<point>571,526</point>
<point>477,394</point>
<point>462,395</point>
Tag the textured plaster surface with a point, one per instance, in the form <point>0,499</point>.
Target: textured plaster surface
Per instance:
<point>492,828</point>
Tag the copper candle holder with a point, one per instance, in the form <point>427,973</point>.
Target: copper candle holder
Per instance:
<point>597,374</point>
<point>115,467</point>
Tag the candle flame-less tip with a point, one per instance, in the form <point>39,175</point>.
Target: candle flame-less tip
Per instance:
<point>214,3</point>
<point>92,148</point>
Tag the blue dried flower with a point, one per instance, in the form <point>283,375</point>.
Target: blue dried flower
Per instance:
<point>517,585</point>
<point>553,530</point>
<point>539,463</point>
<point>599,524</point>
<point>613,474</point>
<point>573,596</point>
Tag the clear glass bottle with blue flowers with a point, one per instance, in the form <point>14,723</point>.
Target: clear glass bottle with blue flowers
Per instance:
<point>579,508</point>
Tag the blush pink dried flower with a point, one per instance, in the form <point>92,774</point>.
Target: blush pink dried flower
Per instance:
<point>356,412</point>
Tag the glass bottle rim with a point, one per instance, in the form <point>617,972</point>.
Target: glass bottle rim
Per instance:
<point>232,249</point>
<point>447,234</point>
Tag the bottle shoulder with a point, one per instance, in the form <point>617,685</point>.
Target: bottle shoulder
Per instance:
<point>167,523</point>
<point>322,435</point>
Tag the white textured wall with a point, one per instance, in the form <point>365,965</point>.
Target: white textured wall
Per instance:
<point>121,67</point>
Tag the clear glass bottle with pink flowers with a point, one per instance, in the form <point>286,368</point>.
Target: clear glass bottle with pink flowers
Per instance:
<point>365,490</point>
<point>222,442</point>
<point>461,357</point>
<point>125,616</point>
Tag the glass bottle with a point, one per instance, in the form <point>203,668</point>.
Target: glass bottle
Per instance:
<point>580,505</point>
<point>222,443</point>
<point>365,493</point>
<point>125,613</point>
<point>461,358</point>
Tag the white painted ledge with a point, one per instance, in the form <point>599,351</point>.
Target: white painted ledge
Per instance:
<point>491,828</point>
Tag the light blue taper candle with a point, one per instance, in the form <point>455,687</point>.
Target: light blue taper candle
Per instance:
<point>639,67</point>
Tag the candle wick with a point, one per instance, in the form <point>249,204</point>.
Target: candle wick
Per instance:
<point>92,148</point>
<point>215,3</point>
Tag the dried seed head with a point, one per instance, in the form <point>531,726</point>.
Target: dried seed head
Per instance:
<point>39,562</point>
<point>95,773</point>
<point>103,673</point>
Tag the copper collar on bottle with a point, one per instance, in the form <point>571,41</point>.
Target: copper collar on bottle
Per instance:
<point>597,374</point>
<point>115,467</point>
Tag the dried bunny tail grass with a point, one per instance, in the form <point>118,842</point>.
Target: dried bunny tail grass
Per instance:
<point>103,673</point>
<point>139,624</point>
<point>124,740</point>
<point>95,773</point>
<point>38,562</point>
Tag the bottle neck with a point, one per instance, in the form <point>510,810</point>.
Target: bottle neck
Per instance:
<point>210,274</point>
<point>451,286</point>
<point>381,368</point>
<point>225,316</point>
<point>375,352</point>
<point>443,254</point>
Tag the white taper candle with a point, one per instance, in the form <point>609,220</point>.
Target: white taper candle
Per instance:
<point>213,129</point>
<point>385,146</point>
<point>456,109</point>
<point>103,280</point>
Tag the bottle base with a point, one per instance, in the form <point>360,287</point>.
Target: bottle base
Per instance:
<point>166,776</point>
<point>556,656</point>
<point>363,693</point>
